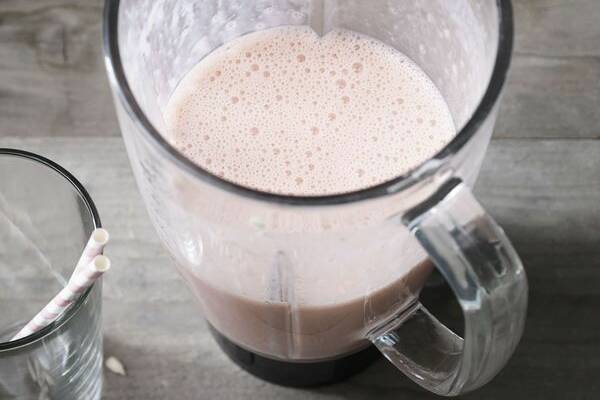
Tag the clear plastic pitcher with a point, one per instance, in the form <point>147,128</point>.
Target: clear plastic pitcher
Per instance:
<point>306,281</point>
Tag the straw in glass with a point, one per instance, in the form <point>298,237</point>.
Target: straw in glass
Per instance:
<point>79,282</point>
<point>95,245</point>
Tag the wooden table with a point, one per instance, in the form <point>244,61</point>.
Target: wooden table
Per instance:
<point>541,180</point>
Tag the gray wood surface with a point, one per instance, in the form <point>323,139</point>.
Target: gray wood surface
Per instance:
<point>541,180</point>
<point>544,192</point>
<point>52,80</point>
<point>553,86</point>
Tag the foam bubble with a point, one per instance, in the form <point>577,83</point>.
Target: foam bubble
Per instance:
<point>306,115</point>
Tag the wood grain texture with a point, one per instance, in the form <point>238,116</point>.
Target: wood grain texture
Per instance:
<point>557,28</point>
<point>553,88</point>
<point>52,79</point>
<point>541,184</point>
<point>549,97</point>
<point>544,193</point>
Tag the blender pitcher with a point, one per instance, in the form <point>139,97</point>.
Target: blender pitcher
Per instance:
<point>297,289</point>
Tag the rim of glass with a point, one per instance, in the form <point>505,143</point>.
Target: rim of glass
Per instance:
<point>91,207</point>
<point>122,90</point>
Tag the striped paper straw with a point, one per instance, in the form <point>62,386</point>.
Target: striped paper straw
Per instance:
<point>94,246</point>
<point>78,283</point>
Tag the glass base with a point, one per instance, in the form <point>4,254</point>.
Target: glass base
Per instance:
<point>304,374</point>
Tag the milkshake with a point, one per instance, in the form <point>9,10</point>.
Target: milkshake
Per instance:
<point>288,112</point>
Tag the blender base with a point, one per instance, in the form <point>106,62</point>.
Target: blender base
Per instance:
<point>305,374</point>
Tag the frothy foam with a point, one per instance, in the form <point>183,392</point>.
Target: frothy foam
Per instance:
<point>286,111</point>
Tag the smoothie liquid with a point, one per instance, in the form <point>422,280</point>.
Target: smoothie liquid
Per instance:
<point>286,111</point>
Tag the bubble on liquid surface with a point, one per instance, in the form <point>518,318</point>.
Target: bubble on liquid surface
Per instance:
<point>305,115</point>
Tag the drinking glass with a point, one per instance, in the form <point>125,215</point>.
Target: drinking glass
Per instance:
<point>46,217</point>
<point>295,286</point>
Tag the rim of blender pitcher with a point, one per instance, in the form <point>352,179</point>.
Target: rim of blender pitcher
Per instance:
<point>93,211</point>
<point>120,85</point>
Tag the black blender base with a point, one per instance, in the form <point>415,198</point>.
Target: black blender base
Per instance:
<point>297,374</point>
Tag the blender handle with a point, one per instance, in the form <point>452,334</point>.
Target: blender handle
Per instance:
<point>485,273</point>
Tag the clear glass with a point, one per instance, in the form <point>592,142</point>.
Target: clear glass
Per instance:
<point>316,278</point>
<point>46,217</point>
